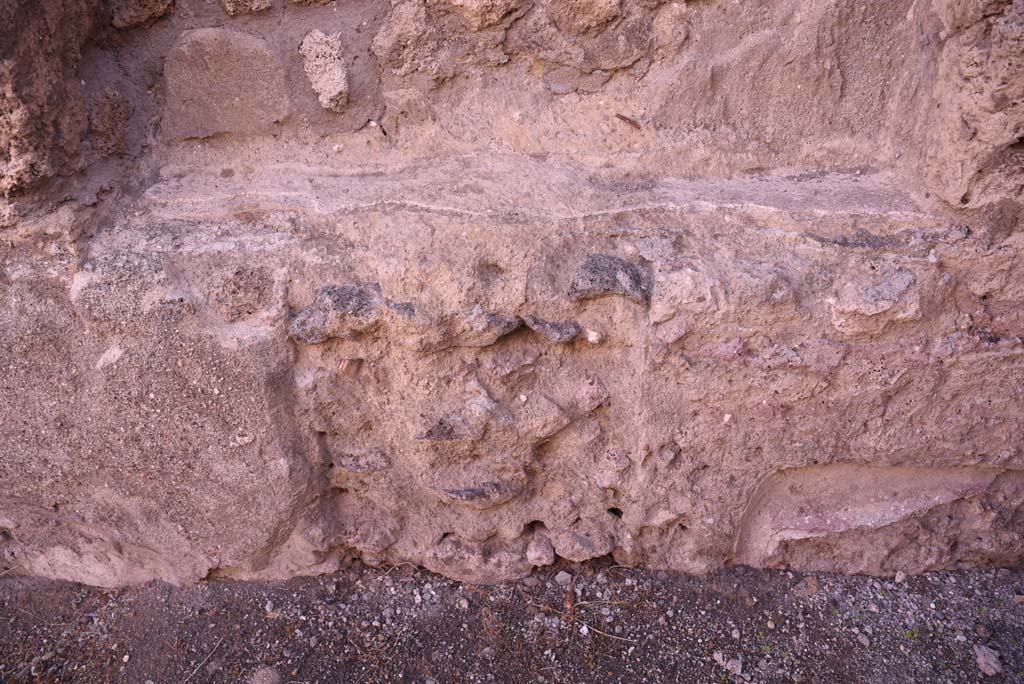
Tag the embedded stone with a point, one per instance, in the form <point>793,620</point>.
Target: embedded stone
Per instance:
<point>324,64</point>
<point>235,7</point>
<point>580,16</point>
<point>602,274</point>
<point>483,13</point>
<point>132,13</point>
<point>558,332</point>
<point>540,552</point>
<point>338,311</point>
<point>221,81</point>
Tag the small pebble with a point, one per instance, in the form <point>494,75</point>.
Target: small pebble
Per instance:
<point>988,660</point>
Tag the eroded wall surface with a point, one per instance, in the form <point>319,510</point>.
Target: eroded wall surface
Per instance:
<point>477,284</point>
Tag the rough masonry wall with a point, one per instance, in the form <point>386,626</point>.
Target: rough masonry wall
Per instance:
<point>42,119</point>
<point>477,284</point>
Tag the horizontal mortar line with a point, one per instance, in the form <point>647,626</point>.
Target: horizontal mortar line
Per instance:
<point>699,206</point>
<point>982,355</point>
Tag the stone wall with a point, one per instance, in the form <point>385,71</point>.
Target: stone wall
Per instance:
<point>477,284</point>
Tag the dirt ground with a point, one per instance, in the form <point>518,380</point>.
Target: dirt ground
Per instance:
<point>591,623</point>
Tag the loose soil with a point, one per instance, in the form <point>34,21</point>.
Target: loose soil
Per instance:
<point>594,623</point>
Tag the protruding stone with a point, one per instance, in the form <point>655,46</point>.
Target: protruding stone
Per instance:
<point>669,26</point>
<point>580,16</point>
<point>483,13</point>
<point>602,274</point>
<point>324,63</point>
<point>869,303</point>
<point>539,551</point>
<point>338,311</point>
<point>611,467</point>
<point>221,81</point>
<point>483,328</point>
<point>234,7</point>
<point>558,332</point>
<point>686,290</point>
<point>131,13</point>
<point>398,45</point>
<point>540,417</point>
<point>667,454</point>
<point>788,516</point>
<point>587,538</point>
<point>485,494</point>
<point>590,394</point>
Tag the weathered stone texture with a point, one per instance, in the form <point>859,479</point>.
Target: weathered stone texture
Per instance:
<point>484,13</point>
<point>687,284</point>
<point>235,7</point>
<point>221,81</point>
<point>132,13</point>
<point>324,64</point>
<point>42,118</point>
<point>109,114</point>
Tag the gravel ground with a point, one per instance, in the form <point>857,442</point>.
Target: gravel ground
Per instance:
<point>591,623</point>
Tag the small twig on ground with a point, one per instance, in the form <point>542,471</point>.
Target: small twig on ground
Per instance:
<point>572,618</point>
<point>393,652</point>
<point>606,634</point>
<point>355,646</point>
<point>394,567</point>
<point>208,655</point>
<point>29,613</point>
